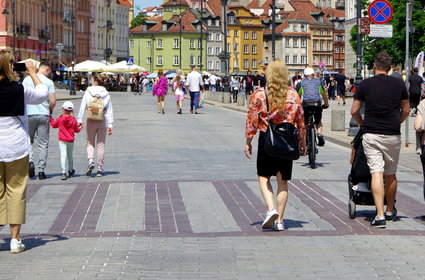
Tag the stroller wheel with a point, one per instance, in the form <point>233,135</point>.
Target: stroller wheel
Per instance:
<point>351,209</point>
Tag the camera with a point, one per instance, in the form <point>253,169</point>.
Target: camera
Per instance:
<point>19,67</point>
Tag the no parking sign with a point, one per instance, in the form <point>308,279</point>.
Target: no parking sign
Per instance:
<point>380,11</point>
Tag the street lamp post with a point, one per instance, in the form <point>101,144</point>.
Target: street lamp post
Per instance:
<point>69,18</point>
<point>273,6</point>
<point>359,44</point>
<point>224,25</point>
<point>6,12</point>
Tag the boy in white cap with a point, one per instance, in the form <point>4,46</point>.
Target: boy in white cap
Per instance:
<point>67,125</point>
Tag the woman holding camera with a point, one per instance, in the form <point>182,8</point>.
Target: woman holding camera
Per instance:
<point>14,144</point>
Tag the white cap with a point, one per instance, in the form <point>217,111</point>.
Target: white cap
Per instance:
<point>308,71</point>
<point>67,105</point>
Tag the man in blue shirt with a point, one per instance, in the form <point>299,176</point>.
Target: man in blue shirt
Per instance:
<point>38,120</point>
<point>311,89</point>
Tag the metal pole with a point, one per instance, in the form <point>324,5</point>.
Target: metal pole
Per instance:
<point>72,89</point>
<point>180,42</point>
<point>224,21</point>
<point>406,123</point>
<point>14,25</point>
<point>273,6</point>
<point>202,34</point>
<point>359,43</point>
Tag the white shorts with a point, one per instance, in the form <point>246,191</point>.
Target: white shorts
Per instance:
<point>382,152</point>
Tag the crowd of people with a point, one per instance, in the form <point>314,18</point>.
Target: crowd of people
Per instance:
<point>26,110</point>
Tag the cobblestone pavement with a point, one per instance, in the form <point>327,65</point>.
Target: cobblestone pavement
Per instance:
<point>181,201</point>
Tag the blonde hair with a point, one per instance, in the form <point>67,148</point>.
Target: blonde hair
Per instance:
<point>100,79</point>
<point>6,66</point>
<point>277,83</point>
<point>178,79</point>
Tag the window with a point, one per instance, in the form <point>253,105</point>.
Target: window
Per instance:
<point>145,27</point>
<point>303,43</point>
<point>210,51</point>
<point>320,58</point>
<point>227,32</point>
<point>235,63</point>
<point>164,27</point>
<point>246,35</point>
<point>159,60</point>
<point>192,45</point>
<point>295,28</point>
<point>210,37</point>
<point>149,60</point>
<point>192,60</point>
<point>322,32</point>
<point>217,22</point>
<point>245,63</point>
<point>217,50</point>
<point>328,60</point>
<point>315,45</point>
<point>343,49</point>
<point>199,60</point>
<point>199,43</point>
<point>286,59</point>
<point>315,60</point>
<point>254,35</point>
<point>159,46</point>
<point>303,59</point>
<point>176,43</point>
<point>336,65</point>
<point>218,37</point>
<point>287,42</point>
<point>295,59</point>
<point>198,27</point>
<point>254,49</point>
<point>236,47</point>
<point>320,19</point>
<point>231,19</point>
<point>149,44</point>
<point>322,45</point>
<point>210,65</point>
<point>343,64</point>
<point>329,46</point>
<point>176,60</point>
<point>209,22</point>
<point>336,49</point>
<point>266,60</point>
<point>131,44</point>
<point>295,41</point>
<point>236,33</point>
<point>254,64</point>
<point>245,49</point>
<point>302,28</point>
<point>228,47</point>
<point>217,65</point>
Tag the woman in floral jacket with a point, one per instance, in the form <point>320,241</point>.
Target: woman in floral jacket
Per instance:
<point>285,106</point>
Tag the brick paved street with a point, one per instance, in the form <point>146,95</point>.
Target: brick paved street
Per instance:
<point>181,201</point>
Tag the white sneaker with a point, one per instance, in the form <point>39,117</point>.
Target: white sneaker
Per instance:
<point>270,218</point>
<point>16,246</point>
<point>278,227</point>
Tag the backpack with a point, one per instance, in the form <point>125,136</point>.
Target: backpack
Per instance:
<point>95,108</point>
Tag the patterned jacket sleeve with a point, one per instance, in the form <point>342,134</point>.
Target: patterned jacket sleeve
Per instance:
<point>299,119</point>
<point>252,118</point>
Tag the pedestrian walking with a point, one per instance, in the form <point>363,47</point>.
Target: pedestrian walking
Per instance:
<point>340,87</point>
<point>420,139</point>
<point>396,73</point>
<point>14,144</point>
<point>38,120</point>
<point>159,90</point>
<point>68,126</point>
<point>285,106</point>
<point>194,82</point>
<point>179,89</point>
<point>386,107</point>
<point>234,85</point>
<point>415,89</point>
<point>97,106</point>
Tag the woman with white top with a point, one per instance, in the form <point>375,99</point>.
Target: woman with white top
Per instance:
<point>97,129</point>
<point>14,144</point>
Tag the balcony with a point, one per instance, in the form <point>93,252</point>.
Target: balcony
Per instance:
<point>340,4</point>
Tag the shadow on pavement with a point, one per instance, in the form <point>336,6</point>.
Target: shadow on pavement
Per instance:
<point>31,241</point>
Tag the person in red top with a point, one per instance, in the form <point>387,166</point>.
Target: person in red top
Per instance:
<point>67,125</point>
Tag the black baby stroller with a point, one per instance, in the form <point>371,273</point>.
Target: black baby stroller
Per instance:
<point>359,180</point>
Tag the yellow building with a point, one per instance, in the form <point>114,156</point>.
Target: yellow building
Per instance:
<point>244,40</point>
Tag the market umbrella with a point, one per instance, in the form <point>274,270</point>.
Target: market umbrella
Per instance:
<point>171,76</point>
<point>238,73</point>
<point>122,67</point>
<point>170,72</point>
<point>152,76</point>
<point>89,66</point>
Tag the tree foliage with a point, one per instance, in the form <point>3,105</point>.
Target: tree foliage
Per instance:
<point>137,20</point>
<point>395,46</point>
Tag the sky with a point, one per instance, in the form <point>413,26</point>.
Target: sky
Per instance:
<point>146,3</point>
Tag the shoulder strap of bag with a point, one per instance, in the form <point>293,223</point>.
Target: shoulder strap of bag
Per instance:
<point>267,104</point>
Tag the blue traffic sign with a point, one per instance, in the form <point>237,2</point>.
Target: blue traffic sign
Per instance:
<point>380,11</point>
<point>130,61</point>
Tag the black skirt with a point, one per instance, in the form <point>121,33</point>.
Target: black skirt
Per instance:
<point>269,166</point>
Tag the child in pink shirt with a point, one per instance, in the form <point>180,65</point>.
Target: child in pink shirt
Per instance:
<point>67,125</point>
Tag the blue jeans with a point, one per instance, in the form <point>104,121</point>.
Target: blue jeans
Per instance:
<point>194,100</point>
<point>212,88</point>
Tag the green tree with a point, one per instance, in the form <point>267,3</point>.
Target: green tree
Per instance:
<point>395,46</point>
<point>137,20</point>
